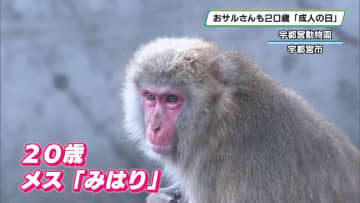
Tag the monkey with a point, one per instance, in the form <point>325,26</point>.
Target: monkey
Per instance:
<point>227,132</point>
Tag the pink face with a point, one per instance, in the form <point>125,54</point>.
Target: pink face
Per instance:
<point>162,108</point>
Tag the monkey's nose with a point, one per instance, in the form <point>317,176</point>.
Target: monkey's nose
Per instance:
<point>157,128</point>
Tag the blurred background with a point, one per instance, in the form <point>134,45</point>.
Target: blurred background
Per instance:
<point>60,65</point>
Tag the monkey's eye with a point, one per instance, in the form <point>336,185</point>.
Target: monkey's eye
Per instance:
<point>171,98</point>
<point>150,96</point>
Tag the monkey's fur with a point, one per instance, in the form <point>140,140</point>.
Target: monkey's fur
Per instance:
<point>241,136</point>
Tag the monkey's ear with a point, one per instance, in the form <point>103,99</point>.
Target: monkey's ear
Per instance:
<point>226,66</point>
<point>216,72</point>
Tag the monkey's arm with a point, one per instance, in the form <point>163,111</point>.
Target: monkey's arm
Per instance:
<point>171,194</point>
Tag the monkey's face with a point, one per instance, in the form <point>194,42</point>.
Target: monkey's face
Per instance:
<point>170,92</point>
<point>162,108</point>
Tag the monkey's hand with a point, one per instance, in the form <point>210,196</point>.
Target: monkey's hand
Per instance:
<point>166,195</point>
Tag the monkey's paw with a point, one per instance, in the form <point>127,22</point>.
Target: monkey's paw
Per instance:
<point>160,198</point>
<point>165,198</point>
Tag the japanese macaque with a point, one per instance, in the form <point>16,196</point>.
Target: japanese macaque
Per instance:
<point>227,132</point>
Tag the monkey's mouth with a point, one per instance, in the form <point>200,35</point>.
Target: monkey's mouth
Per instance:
<point>161,149</point>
